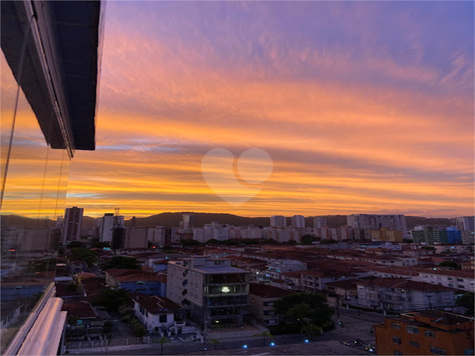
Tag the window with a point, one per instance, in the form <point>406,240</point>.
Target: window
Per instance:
<point>413,330</point>
<point>395,326</point>
<point>397,340</point>
<point>429,333</point>
<point>468,352</point>
<point>414,344</point>
<point>438,350</point>
<point>163,318</point>
<point>396,352</point>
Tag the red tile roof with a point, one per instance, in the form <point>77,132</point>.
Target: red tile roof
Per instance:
<point>267,291</point>
<point>155,304</point>
<point>403,284</point>
<point>131,275</point>
<point>82,310</point>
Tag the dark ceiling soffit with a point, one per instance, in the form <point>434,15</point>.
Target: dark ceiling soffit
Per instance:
<point>72,36</point>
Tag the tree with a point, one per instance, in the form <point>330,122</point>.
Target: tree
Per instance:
<point>328,241</point>
<point>215,342</point>
<point>451,264</point>
<point>123,263</point>
<point>163,340</point>
<point>112,299</point>
<point>264,335</point>
<point>84,254</point>
<point>305,306</point>
<point>467,301</point>
<point>186,243</point>
<point>307,239</point>
<point>100,244</point>
<point>74,244</point>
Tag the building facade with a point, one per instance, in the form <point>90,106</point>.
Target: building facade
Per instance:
<point>210,289</point>
<point>72,224</point>
<point>430,332</point>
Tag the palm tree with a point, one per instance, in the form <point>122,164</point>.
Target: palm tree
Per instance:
<point>215,342</point>
<point>163,340</point>
<point>264,335</point>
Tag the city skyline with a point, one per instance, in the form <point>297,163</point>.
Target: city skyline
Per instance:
<point>363,107</point>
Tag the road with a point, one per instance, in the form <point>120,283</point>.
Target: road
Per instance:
<point>357,325</point>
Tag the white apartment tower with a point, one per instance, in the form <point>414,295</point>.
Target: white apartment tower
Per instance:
<point>278,221</point>
<point>298,221</point>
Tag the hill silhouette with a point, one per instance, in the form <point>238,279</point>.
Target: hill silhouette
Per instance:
<point>173,220</point>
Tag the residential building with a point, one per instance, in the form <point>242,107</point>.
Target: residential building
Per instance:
<point>458,279</point>
<point>275,269</point>
<point>466,223</point>
<point>278,221</point>
<point>136,237</point>
<point>72,224</point>
<point>189,221</point>
<point>395,294</point>
<point>430,332</point>
<point>210,289</point>
<point>373,221</point>
<point>262,298</point>
<point>314,281</point>
<point>319,223</point>
<point>139,281</point>
<point>384,234</point>
<point>50,67</point>
<point>159,314</point>
<point>298,221</point>
<point>344,288</point>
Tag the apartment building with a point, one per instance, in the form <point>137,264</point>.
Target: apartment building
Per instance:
<point>458,279</point>
<point>372,221</point>
<point>395,294</point>
<point>262,298</point>
<point>137,281</point>
<point>276,268</point>
<point>278,221</point>
<point>210,289</point>
<point>430,332</point>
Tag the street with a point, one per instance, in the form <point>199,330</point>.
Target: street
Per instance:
<point>357,325</point>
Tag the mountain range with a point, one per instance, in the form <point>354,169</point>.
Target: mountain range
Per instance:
<point>173,220</point>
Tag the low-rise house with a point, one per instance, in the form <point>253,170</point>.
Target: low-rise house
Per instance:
<point>430,332</point>
<point>262,298</point>
<point>159,314</point>
<point>82,319</point>
<point>458,279</point>
<point>395,294</point>
<point>345,289</point>
<point>276,268</point>
<point>137,281</point>
<point>314,281</point>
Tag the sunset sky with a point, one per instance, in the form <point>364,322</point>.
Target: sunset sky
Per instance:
<point>364,107</point>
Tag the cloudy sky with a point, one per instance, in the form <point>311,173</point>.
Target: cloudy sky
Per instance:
<point>364,107</point>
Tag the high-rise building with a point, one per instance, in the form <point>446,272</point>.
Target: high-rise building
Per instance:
<point>319,223</point>
<point>298,221</point>
<point>136,237</point>
<point>50,67</point>
<point>466,223</point>
<point>278,221</point>
<point>189,221</point>
<point>107,224</point>
<point>72,224</point>
<point>372,221</point>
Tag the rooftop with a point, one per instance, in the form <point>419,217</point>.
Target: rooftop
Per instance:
<point>267,291</point>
